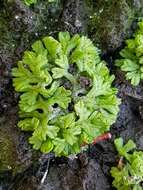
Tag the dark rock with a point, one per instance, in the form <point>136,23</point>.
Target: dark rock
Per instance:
<point>94,171</point>
<point>63,177</point>
<point>108,23</point>
<point>74,17</point>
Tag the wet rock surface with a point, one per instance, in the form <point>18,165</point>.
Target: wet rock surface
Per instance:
<point>107,23</point>
<point>117,18</point>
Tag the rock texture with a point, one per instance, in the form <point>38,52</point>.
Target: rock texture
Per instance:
<point>108,23</point>
<point>111,22</point>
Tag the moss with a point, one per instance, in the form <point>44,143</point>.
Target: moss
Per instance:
<point>15,155</point>
<point>20,24</point>
<point>110,22</point>
<point>6,37</point>
<point>8,154</point>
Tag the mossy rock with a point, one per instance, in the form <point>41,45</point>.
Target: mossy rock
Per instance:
<point>8,152</point>
<point>110,21</point>
<point>21,24</point>
<point>15,154</point>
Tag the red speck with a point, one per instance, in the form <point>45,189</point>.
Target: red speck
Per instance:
<point>99,138</point>
<point>102,138</point>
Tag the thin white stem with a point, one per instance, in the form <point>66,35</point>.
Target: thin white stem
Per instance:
<point>46,172</point>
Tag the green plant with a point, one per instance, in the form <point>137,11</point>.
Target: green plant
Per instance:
<point>132,57</point>
<point>129,175</point>
<point>30,2</point>
<point>67,98</point>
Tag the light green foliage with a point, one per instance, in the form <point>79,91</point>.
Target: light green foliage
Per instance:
<point>130,175</point>
<point>66,95</point>
<point>132,57</point>
<point>30,2</point>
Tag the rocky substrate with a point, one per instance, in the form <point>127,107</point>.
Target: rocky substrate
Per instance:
<point>108,23</point>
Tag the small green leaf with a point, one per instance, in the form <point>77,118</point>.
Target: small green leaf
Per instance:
<point>38,47</point>
<point>58,73</point>
<point>70,134</point>
<point>82,111</point>
<point>27,101</point>
<point>129,65</point>
<point>62,62</point>
<point>52,45</point>
<point>61,97</point>
<point>28,124</point>
<point>129,174</point>
<point>129,146</point>
<point>124,149</point>
<point>60,145</point>
<point>52,131</point>
<point>135,79</point>
<point>131,57</point>
<point>36,142</point>
<point>118,143</point>
<point>47,146</point>
<point>67,121</point>
<point>30,2</point>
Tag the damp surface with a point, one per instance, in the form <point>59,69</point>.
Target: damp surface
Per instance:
<point>108,24</point>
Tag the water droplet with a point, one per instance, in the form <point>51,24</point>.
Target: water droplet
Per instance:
<point>16,17</point>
